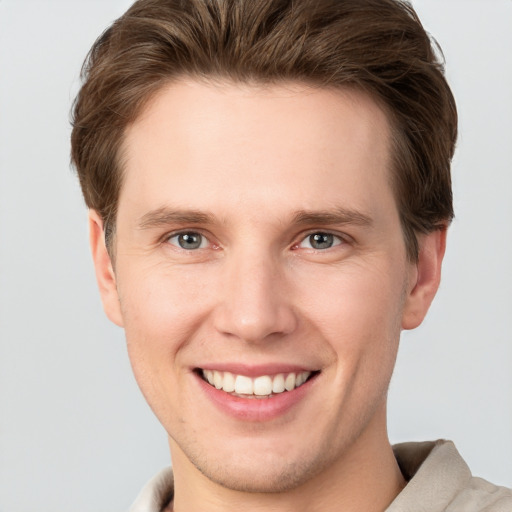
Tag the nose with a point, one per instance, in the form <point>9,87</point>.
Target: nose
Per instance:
<point>255,304</point>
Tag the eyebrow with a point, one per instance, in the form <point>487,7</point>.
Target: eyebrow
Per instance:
<point>165,216</point>
<point>339,216</point>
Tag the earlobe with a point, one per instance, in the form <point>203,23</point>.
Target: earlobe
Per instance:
<point>425,278</point>
<point>105,275</point>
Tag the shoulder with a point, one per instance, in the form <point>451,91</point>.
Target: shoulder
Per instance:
<point>480,495</point>
<point>439,479</point>
<point>156,494</point>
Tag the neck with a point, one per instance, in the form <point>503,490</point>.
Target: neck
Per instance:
<point>367,478</point>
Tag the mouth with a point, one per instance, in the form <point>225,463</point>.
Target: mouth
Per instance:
<point>258,387</point>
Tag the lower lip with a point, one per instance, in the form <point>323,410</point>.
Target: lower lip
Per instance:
<point>255,409</point>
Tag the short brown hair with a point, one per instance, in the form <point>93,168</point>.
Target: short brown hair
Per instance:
<point>378,46</point>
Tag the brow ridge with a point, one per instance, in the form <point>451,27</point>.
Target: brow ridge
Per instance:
<point>164,216</point>
<point>335,216</point>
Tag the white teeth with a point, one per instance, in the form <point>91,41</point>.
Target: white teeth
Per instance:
<point>264,385</point>
<point>229,382</point>
<point>278,384</point>
<point>243,385</point>
<point>301,378</point>
<point>217,379</point>
<point>289,382</point>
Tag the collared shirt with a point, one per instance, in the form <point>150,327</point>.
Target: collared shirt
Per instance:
<point>438,481</point>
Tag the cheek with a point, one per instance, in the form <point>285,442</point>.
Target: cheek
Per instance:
<point>357,311</point>
<point>159,302</point>
<point>162,310</point>
<point>364,300</point>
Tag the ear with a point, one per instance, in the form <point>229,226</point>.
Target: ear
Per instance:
<point>425,277</point>
<point>105,275</point>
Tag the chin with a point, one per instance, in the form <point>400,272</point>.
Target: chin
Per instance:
<point>261,470</point>
<point>261,478</point>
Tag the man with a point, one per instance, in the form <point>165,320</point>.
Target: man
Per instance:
<point>269,193</point>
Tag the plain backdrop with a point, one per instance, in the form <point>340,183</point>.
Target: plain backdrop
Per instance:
<point>75,433</point>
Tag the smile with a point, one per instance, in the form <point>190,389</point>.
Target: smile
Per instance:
<point>256,393</point>
<point>263,386</point>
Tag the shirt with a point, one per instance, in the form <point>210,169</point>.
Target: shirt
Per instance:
<point>438,481</point>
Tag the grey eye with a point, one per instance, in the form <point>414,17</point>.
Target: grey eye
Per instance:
<point>188,241</point>
<point>320,241</point>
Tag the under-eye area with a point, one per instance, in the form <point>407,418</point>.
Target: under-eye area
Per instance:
<point>263,386</point>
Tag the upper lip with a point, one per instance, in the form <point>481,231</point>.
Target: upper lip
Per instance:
<point>257,370</point>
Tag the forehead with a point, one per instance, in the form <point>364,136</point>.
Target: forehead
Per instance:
<point>287,144</point>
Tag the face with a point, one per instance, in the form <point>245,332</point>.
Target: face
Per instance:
<point>261,276</point>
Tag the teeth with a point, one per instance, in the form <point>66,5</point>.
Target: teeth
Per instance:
<point>217,379</point>
<point>301,378</point>
<point>243,385</point>
<point>278,384</point>
<point>264,385</point>
<point>229,382</point>
<point>289,382</point>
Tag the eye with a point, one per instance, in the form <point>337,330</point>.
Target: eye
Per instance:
<point>320,241</point>
<point>189,240</point>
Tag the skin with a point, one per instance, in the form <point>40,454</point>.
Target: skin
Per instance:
<point>249,159</point>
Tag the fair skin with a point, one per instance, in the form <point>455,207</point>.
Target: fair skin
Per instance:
<point>257,234</point>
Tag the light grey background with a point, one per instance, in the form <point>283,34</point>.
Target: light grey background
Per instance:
<point>75,433</point>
